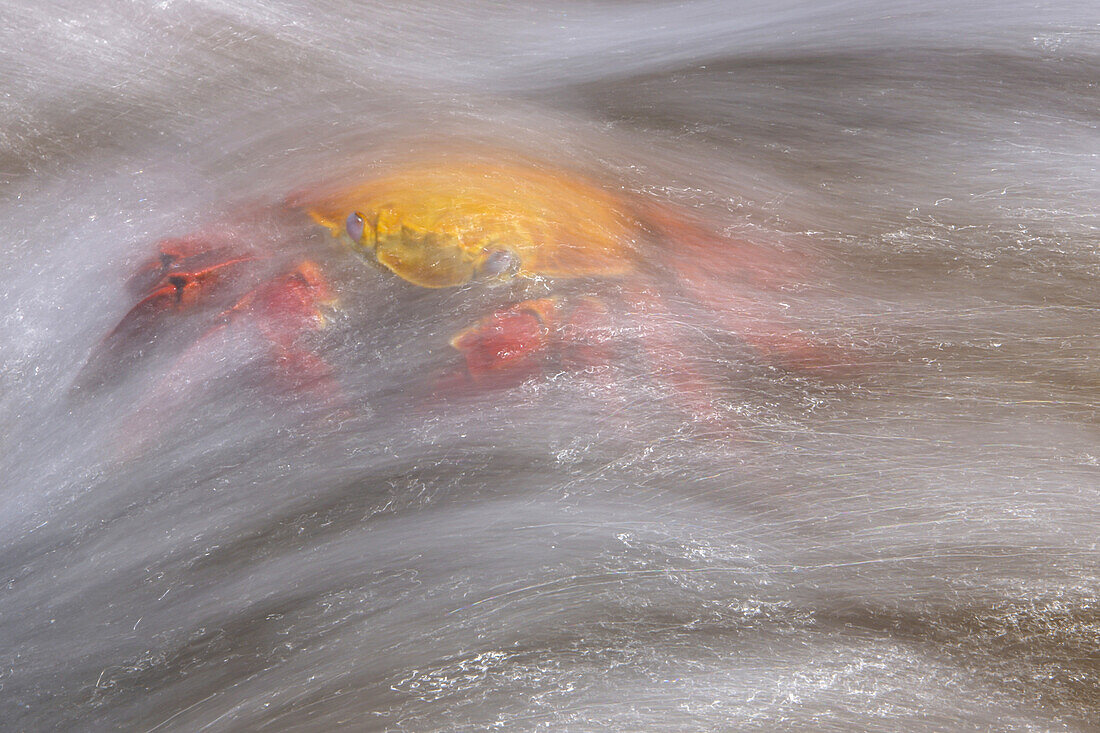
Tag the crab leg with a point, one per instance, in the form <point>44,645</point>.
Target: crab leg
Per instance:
<point>739,283</point>
<point>663,343</point>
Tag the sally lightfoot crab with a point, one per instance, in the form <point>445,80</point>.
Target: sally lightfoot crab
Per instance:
<point>572,264</point>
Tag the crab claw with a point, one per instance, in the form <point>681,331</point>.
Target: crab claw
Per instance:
<point>195,258</point>
<point>187,274</point>
<point>526,340</point>
<point>506,347</point>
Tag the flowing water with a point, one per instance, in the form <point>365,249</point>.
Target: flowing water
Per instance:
<point>908,545</point>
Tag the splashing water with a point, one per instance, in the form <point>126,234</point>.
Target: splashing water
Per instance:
<point>908,545</point>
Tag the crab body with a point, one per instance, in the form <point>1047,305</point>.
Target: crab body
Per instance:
<point>445,224</point>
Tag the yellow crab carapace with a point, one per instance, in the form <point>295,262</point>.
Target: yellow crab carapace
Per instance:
<point>443,224</point>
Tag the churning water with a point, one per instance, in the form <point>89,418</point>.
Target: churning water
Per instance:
<point>910,544</point>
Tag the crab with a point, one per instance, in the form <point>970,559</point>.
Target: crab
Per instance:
<point>575,264</point>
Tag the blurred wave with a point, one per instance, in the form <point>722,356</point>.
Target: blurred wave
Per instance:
<point>910,546</point>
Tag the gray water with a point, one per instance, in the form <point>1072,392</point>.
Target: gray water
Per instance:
<point>910,544</point>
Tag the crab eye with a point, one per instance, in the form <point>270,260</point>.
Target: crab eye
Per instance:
<point>499,263</point>
<point>354,225</point>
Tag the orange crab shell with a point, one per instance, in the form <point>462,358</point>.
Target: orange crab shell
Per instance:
<point>436,224</point>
